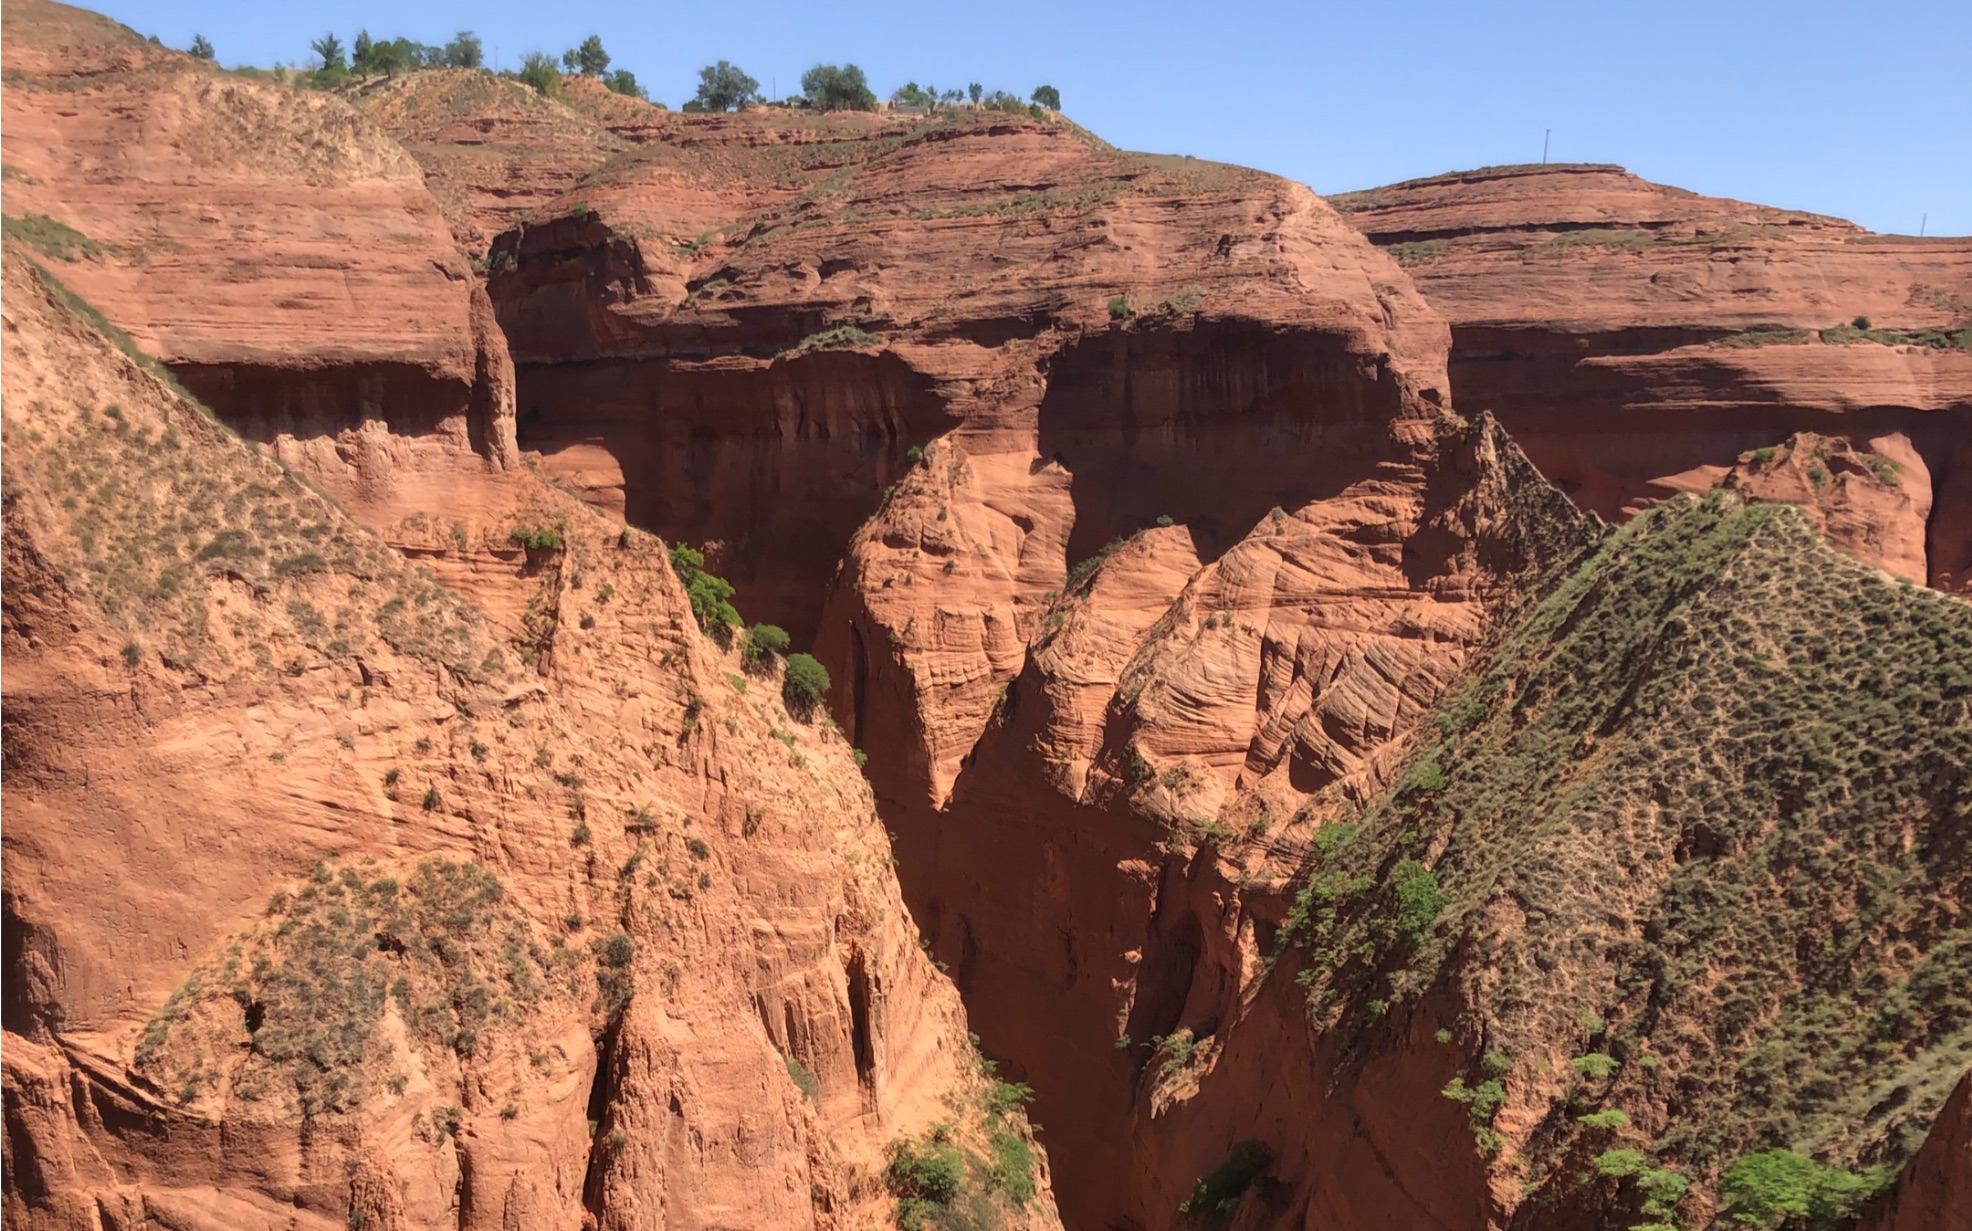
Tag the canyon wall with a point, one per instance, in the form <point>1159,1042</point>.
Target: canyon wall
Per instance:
<point>392,879</point>
<point>1639,339</point>
<point>1334,823</point>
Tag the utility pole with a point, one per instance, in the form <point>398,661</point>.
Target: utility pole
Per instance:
<point>1545,134</point>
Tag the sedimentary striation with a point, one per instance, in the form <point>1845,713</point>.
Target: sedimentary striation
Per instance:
<point>1637,339</point>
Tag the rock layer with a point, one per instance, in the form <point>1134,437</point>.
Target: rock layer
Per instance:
<point>277,250</point>
<point>1637,338</point>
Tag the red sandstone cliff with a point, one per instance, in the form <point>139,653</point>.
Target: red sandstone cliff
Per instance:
<point>477,891</point>
<point>1121,495</point>
<point>277,250</point>
<point>1637,338</point>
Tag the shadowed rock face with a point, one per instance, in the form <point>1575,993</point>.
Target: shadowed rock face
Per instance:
<point>1637,339</point>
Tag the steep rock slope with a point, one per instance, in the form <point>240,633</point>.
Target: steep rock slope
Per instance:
<point>278,251</point>
<point>327,905</point>
<point>1680,871</point>
<point>1177,731</point>
<point>1637,339</point>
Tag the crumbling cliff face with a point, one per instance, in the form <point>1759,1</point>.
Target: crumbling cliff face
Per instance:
<point>1637,339</point>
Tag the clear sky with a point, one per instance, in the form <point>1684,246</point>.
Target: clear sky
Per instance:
<point>1854,109</point>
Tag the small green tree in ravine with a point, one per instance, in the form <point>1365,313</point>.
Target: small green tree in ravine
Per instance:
<point>465,51</point>
<point>589,59</point>
<point>806,684</point>
<point>624,82</point>
<point>200,49</point>
<point>831,87</point>
<point>329,47</point>
<point>1048,97</point>
<point>1779,1188</point>
<point>925,1177</point>
<point>765,643</point>
<point>539,71</point>
<point>724,87</point>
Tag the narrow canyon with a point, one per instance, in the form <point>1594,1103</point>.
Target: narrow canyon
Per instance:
<point>1446,708</point>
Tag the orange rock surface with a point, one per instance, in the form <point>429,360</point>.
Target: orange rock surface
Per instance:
<point>1637,338</point>
<point>1140,508</point>
<point>276,249</point>
<point>480,891</point>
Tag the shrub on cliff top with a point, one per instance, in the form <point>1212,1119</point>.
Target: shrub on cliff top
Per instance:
<point>539,71</point>
<point>806,684</point>
<point>831,87</point>
<point>725,87</point>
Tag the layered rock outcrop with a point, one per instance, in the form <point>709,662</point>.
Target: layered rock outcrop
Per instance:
<point>726,380</point>
<point>1637,338</point>
<point>276,249</point>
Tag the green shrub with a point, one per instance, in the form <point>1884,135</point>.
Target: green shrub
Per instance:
<point>1419,899</point>
<point>1119,308</point>
<point>765,643</point>
<point>830,87</point>
<point>711,596</point>
<point>807,683</point>
<point>842,336</point>
<point>724,87</point>
<point>1216,1195</point>
<point>1595,1066</point>
<point>924,1177</point>
<point>804,1080</point>
<point>1613,1118</point>
<point>539,538</point>
<point>537,69</point>
<point>589,58</point>
<point>1012,1165</point>
<point>1780,1188</point>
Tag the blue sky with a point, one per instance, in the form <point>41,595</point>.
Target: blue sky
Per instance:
<point>1849,109</point>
